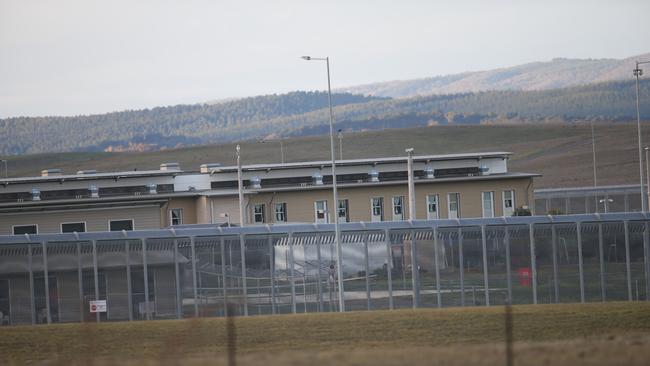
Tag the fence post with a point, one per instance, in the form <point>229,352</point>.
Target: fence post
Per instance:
<point>319,263</point>
<point>533,259</point>
<point>271,271</point>
<point>194,289</point>
<point>367,267</point>
<point>389,268</point>
<point>485,267</point>
<point>556,284</point>
<point>224,278</point>
<point>145,270</point>
<point>436,266</point>
<point>129,289</point>
<point>31,283</point>
<point>95,275</point>
<point>80,283</point>
<point>628,268</point>
<point>646,266</point>
<point>580,264</point>
<point>242,247</point>
<point>601,255</point>
<point>292,280</point>
<point>461,259</point>
<point>415,275</point>
<point>177,282</point>
<point>506,240</point>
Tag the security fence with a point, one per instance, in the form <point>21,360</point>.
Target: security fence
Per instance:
<point>206,270</point>
<point>585,200</point>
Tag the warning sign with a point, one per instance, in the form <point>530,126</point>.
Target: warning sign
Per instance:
<point>98,306</point>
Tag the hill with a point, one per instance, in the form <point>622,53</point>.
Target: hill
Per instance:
<point>303,114</point>
<point>557,73</point>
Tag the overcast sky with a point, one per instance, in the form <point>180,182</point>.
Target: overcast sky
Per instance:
<point>64,57</point>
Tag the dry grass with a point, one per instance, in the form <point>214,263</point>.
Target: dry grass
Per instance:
<point>561,152</point>
<point>467,335</point>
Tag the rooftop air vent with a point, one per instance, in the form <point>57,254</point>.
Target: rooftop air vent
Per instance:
<point>50,172</point>
<point>36,194</point>
<point>256,183</point>
<point>86,172</point>
<point>317,179</point>
<point>209,168</point>
<point>373,175</point>
<point>170,166</point>
<point>94,192</point>
<point>429,172</point>
<point>152,188</point>
<point>484,170</point>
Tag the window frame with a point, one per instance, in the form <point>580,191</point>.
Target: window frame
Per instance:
<point>512,198</point>
<point>283,205</point>
<point>171,217</point>
<point>457,196</point>
<point>381,208</point>
<point>483,208</point>
<point>113,220</point>
<point>73,222</point>
<point>262,213</point>
<point>437,203</point>
<point>13,228</point>
<point>401,206</point>
<point>326,216</point>
<point>346,217</point>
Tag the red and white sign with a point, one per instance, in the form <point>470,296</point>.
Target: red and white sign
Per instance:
<point>98,306</point>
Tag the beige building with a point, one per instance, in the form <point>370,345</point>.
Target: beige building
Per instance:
<point>446,187</point>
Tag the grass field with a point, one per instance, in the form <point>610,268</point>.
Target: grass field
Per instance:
<point>612,333</point>
<point>561,152</point>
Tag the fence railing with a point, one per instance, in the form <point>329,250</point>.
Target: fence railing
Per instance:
<point>207,270</point>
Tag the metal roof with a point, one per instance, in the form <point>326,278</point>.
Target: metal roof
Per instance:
<point>94,176</point>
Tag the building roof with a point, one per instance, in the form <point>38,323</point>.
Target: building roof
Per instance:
<point>93,176</point>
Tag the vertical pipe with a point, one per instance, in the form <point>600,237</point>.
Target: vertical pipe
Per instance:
<point>80,283</point>
<point>129,289</point>
<point>601,257</point>
<point>31,283</point>
<point>556,284</point>
<point>461,267</point>
<point>533,259</point>
<point>224,279</point>
<point>145,272</point>
<point>436,266</point>
<point>485,267</point>
<point>177,282</point>
<point>415,273</point>
<point>95,276</point>
<point>292,280</point>
<point>628,268</point>
<point>242,248</point>
<point>580,263</point>
<point>194,289</point>
<point>389,268</point>
<point>271,272</point>
<point>367,267</point>
<point>318,273</point>
<point>506,240</point>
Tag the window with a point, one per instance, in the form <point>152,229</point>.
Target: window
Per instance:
<point>73,227</point>
<point>343,211</point>
<point>377,209</point>
<point>488,204</point>
<point>280,212</point>
<point>320,212</point>
<point>176,216</point>
<point>25,229</point>
<point>432,207</point>
<point>454,205</point>
<point>119,225</point>
<point>508,203</point>
<point>398,208</point>
<point>258,213</point>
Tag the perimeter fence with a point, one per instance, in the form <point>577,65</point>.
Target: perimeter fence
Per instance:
<point>201,271</point>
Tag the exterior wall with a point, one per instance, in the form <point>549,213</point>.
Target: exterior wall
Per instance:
<point>144,217</point>
<point>300,204</point>
<point>226,205</point>
<point>203,214</point>
<point>188,205</point>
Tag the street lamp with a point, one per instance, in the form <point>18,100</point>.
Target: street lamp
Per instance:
<point>411,184</point>
<point>647,171</point>
<point>337,232</point>
<point>340,134</point>
<point>606,202</point>
<point>240,187</point>
<point>593,150</point>
<point>639,72</point>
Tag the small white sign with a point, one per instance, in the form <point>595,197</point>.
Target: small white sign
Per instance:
<point>98,306</point>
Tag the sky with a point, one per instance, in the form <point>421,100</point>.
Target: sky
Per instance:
<point>72,57</point>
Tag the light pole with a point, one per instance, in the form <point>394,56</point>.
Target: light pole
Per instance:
<point>593,150</point>
<point>281,148</point>
<point>240,187</point>
<point>337,232</point>
<point>639,72</point>
<point>647,171</point>
<point>340,134</point>
<point>411,184</point>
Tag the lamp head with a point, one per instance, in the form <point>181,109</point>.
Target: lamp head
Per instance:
<point>306,58</point>
<point>410,150</point>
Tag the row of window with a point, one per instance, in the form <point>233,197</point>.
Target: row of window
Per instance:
<point>71,227</point>
<point>397,204</point>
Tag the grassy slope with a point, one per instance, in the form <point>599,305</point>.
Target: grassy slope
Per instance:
<point>329,333</point>
<point>560,152</point>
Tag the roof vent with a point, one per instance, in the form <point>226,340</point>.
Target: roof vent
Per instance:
<point>94,192</point>
<point>429,172</point>
<point>256,183</point>
<point>317,179</point>
<point>484,170</point>
<point>209,168</point>
<point>50,172</point>
<point>170,166</point>
<point>36,194</point>
<point>152,188</point>
<point>86,172</point>
<point>373,175</point>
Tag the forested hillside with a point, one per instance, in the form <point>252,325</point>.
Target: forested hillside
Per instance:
<point>557,73</point>
<point>301,113</point>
